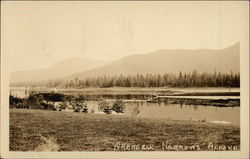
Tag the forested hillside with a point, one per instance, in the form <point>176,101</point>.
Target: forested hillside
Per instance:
<point>190,79</point>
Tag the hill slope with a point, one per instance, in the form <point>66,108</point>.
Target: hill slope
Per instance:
<point>59,70</point>
<point>171,61</point>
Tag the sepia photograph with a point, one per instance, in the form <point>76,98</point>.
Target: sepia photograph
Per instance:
<point>112,79</point>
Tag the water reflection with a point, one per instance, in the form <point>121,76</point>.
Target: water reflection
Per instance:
<point>178,111</point>
<point>94,97</point>
<point>195,107</point>
<point>163,109</point>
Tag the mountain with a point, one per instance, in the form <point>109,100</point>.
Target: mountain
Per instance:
<point>171,61</point>
<point>161,61</point>
<point>59,70</point>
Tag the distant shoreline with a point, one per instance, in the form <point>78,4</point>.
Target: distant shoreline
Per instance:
<point>187,89</point>
<point>210,96</point>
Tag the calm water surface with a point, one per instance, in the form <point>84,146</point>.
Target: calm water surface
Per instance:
<point>179,112</point>
<point>161,110</point>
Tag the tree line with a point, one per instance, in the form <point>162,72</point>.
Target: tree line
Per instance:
<point>77,103</point>
<point>190,79</point>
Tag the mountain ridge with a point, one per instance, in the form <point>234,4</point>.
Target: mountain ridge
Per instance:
<point>223,60</point>
<point>163,61</point>
<point>58,70</point>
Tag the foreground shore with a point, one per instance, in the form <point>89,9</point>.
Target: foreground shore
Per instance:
<point>41,130</point>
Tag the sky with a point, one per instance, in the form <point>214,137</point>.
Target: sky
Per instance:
<point>40,34</point>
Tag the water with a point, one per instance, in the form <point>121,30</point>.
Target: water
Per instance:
<point>179,112</point>
<point>162,110</point>
<point>203,97</point>
<point>18,92</point>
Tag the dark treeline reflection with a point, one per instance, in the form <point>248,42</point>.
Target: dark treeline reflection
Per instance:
<point>95,97</point>
<point>190,79</point>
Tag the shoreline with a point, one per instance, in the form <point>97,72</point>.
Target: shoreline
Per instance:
<point>138,89</point>
<point>210,96</point>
